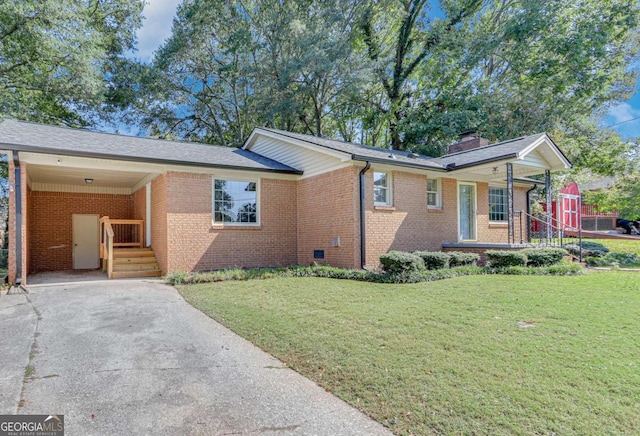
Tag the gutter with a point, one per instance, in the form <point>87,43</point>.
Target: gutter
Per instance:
<point>369,159</point>
<point>363,233</point>
<point>454,167</point>
<point>17,190</point>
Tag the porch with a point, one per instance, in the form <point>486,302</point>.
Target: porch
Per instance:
<point>82,214</point>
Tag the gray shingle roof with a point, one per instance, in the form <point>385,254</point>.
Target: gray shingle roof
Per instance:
<point>490,153</point>
<point>41,138</point>
<point>363,152</point>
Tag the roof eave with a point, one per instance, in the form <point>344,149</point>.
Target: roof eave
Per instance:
<point>45,150</point>
<point>362,158</point>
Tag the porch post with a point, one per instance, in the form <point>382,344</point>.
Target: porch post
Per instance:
<point>510,215</point>
<point>547,188</point>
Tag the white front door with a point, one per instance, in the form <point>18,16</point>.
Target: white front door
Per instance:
<point>86,241</point>
<point>467,212</point>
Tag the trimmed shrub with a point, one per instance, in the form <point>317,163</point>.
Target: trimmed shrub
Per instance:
<point>544,256</point>
<point>399,262</point>
<point>589,249</point>
<point>505,258</point>
<point>460,258</point>
<point>613,259</point>
<point>434,260</point>
<point>4,258</point>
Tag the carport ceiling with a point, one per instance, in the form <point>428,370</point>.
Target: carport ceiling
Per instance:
<point>76,176</point>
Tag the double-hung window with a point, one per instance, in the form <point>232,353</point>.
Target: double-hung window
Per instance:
<point>498,204</point>
<point>382,189</point>
<point>235,202</point>
<point>434,194</point>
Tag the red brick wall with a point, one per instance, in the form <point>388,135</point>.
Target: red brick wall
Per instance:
<point>159,221</point>
<point>328,207</point>
<point>498,232</point>
<point>194,244</point>
<point>50,227</point>
<point>409,225</point>
<point>140,204</point>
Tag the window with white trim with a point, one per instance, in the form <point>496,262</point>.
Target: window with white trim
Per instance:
<point>498,201</point>
<point>235,202</point>
<point>434,193</point>
<point>382,189</point>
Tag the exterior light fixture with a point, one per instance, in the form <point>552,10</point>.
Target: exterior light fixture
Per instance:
<point>88,181</point>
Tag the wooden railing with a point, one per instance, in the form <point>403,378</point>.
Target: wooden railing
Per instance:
<point>127,234</point>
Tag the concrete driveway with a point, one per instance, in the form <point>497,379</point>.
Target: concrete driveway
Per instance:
<point>132,357</point>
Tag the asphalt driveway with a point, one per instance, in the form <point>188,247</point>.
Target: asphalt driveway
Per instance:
<point>132,357</point>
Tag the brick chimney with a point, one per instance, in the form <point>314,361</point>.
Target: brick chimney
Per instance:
<point>468,140</point>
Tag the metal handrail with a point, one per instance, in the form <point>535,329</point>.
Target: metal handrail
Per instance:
<point>559,229</point>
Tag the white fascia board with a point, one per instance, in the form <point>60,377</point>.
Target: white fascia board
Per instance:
<point>343,156</point>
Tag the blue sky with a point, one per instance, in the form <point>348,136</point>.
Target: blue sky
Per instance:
<point>159,18</point>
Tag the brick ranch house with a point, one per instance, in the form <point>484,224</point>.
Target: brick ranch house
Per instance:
<point>281,199</point>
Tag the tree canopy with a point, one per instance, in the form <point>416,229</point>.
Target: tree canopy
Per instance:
<point>58,57</point>
<point>409,74</point>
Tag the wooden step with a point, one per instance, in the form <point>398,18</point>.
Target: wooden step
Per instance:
<point>128,260</point>
<point>135,274</point>
<point>135,267</point>
<point>136,252</point>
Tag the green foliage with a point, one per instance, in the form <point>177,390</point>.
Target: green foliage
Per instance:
<point>57,57</point>
<point>615,259</point>
<point>559,269</point>
<point>544,256</point>
<point>286,65</point>
<point>434,260</point>
<point>178,278</point>
<point>392,73</point>
<point>589,249</point>
<point>399,262</point>
<point>459,258</point>
<point>506,258</point>
<point>623,196</point>
<point>4,258</point>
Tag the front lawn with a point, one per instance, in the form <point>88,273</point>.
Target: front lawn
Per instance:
<point>470,355</point>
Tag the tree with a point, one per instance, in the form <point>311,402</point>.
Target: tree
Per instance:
<point>57,57</point>
<point>413,38</point>
<point>229,66</point>
<point>504,67</point>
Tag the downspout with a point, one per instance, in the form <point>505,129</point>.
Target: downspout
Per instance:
<point>363,234</point>
<point>17,190</point>
<point>529,212</point>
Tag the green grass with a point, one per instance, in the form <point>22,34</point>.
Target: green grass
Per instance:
<point>619,245</point>
<point>449,357</point>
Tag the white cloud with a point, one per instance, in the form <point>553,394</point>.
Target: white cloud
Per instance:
<point>623,112</point>
<point>156,27</point>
